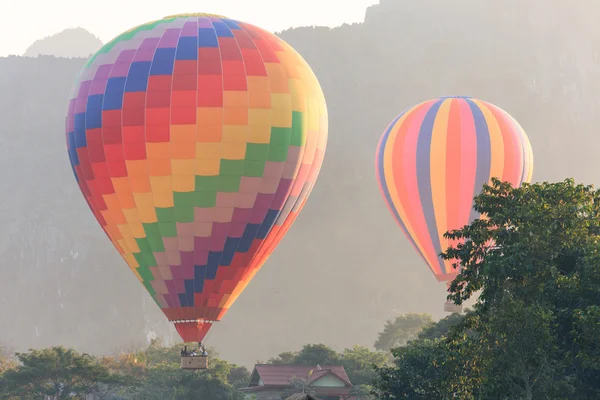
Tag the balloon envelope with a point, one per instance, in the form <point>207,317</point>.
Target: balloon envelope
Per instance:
<point>434,158</point>
<point>196,140</point>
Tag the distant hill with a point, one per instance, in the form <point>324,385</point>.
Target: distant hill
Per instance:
<point>73,42</point>
<point>344,267</point>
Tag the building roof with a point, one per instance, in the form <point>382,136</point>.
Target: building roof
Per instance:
<point>302,396</point>
<point>281,375</point>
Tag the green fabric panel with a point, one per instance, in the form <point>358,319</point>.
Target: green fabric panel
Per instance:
<point>231,168</point>
<point>165,214</point>
<point>154,237</point>
<point>254,168</point>
<point>229,184</point>
<point>298,136</point>
<point>206,183</point>
<point>256,152</point>
<point>184,214</point>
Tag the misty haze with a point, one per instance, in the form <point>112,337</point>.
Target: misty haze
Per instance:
<point>345,267</point>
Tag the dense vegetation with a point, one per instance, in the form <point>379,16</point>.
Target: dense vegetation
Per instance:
<point>533,334</point>
<point>533,264</point>
<point>152,373</point>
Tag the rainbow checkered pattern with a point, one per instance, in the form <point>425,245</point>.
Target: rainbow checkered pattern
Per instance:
<point>434,158</point>
<point>196,140</point>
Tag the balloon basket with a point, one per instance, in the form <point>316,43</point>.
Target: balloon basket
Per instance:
<point>194,362</point>
<point>452,308</point>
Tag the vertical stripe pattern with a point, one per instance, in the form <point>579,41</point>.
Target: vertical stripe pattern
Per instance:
<point>434,158</point>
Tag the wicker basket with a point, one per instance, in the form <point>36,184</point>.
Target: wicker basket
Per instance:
<point>452,308</point>
<point>194,362</point>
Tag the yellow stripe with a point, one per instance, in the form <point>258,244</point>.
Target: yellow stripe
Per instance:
<point>496,141</point>
<point>439,137</point>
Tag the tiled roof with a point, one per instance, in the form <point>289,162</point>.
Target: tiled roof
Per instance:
<point>301,396</point>
<point>281,375</point>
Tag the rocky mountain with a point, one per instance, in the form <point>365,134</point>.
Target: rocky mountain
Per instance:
<point>73,42</point>
<point>344,267</point>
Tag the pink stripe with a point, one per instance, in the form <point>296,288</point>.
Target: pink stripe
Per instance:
<point>171,286</point>
<point>201,243</point>
<point>219,235</point>
<point>226,200</point>
<point>273,169</point>
<point>301,179</point>
<point>190,29</point>
<point>81,99</point>
<point>261,207</point>
<point>120,69</point>
<point>170,302</point>
<point>236,230</point>
<point>204,22</point>
<point>249,184</point>
<point>71,116</point>
<point>179,286</point>
<point>241,215</point>
<point>203,214</point>
<point>316,165</point>
<point>176,271</point>
<point>200,257</point>
<point>187,258</point>
<point>468,165</point>
<point>125,56</point>
<point>103,71</point>
<point>169,38</point>
<point>98,86</point>
<point>519,141</point>
<point>146,53</point>
<point>156,274</point>
<point>283,191</point>
<point>187,271</point>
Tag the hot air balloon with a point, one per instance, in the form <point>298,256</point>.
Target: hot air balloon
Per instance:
<point>196,140</point>
<point>434,158</point>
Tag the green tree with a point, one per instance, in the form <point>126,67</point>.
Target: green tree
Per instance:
<point>442,327</point>
<point>415,374</point>
<point>313,354</point>
<point>7,358</point>
<point>170,382</point>
<point>399,331</point>
<point>285,358</point>
<point>58,373</point>
<point>532,334</point>
<point>362,392</point>
<point>534,259</point>
<point>443,368</point>
<point>359,363</point>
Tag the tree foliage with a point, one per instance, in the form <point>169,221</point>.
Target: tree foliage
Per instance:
<point>59,373</point>
<point>534,261</point>
<point>142,374</point>
<point>399,331</point>
<point>7,358</point>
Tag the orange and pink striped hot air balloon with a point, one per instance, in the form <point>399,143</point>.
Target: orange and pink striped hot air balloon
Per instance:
<point>434,158</point>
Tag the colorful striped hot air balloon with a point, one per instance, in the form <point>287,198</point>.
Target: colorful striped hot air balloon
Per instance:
<point>434,158</point>
<point>196,140</point>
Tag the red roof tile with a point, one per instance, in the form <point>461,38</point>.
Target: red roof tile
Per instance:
<point>281,375</point>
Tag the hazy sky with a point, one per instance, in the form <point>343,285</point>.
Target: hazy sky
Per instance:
<point>107,18</point>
